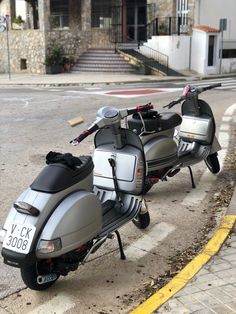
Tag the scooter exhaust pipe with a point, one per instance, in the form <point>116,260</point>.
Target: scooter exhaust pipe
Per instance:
<point>42,279</point>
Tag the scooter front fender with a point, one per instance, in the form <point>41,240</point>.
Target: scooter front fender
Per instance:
<point>77,220</point>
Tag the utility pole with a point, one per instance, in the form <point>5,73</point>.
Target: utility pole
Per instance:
<point>223,27</point>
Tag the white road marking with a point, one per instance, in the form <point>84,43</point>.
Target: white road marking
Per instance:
<point>225,127</point>
<point>107,92</point>
<point>149,241</point>
<point>207,179</point>
<point>72,97</point>
<point>205,82</point>
<point>93,88</point>
<point>58,304</point>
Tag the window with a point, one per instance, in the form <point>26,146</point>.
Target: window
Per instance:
<point>182,14</point>
<point>59,14</point>
<point>229,53</point>
<point>101,13</point>
<point>211,50</point>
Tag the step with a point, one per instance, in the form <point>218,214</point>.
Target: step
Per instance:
<point>102,60</point>
<point>85,69</point>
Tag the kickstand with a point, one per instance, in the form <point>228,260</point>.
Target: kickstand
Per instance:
<point>192,179</point>
<point>122,254</point>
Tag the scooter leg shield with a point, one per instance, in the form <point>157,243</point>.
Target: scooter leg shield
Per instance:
<point>76,220</point>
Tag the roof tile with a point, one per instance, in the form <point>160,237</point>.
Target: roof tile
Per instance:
<point>206,29</point>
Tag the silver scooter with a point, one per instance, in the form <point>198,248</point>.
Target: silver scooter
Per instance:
<point>165,154</point>
<point>75,204</point>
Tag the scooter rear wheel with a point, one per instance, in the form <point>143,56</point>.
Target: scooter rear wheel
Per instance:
<point>29,276</point>
<point>142,221</point>
<point>212,163</point>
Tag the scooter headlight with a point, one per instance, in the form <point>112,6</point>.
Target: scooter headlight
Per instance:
<point>2,235</point>
<point>49,246</point>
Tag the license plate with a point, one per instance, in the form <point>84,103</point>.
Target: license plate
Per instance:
<point>19,237</point>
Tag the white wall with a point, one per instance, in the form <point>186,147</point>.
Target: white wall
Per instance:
<point>228,65</point>
<point>209,12</point>
<point>176,47</point>
<point>199,55</point>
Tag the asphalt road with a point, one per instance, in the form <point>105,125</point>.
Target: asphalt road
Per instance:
<point>34,121</point>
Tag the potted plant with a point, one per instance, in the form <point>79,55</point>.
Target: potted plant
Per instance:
<point>67,63</point>
<point>18,22</point>
<point>54,59</point>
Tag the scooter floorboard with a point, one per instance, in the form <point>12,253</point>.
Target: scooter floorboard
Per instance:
<point>114,216</point>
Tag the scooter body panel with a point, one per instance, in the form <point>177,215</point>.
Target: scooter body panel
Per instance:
<point>75,221</point>
<point>160,152</point>
<point>215,147</point>
<point>197,129</point>
<point>46,204</point>
<point>129,168</point>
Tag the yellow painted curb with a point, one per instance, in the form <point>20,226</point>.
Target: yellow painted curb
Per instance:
<point>190,270</point>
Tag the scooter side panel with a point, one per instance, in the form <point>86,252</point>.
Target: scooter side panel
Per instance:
<point>197,129</point>
<point>160,152</point>
<point>129,168</point>
<point>44,202</point>
<point>76,220</point>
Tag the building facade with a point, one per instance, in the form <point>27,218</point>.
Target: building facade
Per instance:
<point>35,26</point>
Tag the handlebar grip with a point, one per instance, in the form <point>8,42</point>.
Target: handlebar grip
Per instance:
<point>216,85</point>
<point>140,109</point>
<point>171,104</point>
<point>144,107</point>
<point>80,138</point>
<point>83,135</point>
<point>211,86</point>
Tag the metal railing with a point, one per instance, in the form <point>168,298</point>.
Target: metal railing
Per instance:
<point>169,26</point>
<point>156,59</point>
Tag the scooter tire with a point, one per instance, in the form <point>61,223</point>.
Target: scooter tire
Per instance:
<point>142,221</point>
<point>29,276</point>
<point>212,163</point>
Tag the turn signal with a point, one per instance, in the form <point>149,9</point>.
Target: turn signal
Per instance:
<point>49,246</point>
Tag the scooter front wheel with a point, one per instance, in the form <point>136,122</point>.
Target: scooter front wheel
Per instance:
<point>212,163</point>
<point>30,276</point>
<point>142,221</point>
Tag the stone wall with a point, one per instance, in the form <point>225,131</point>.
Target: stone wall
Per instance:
<point>100,38</point>
<point>27,49</point>
<point>73,42</point>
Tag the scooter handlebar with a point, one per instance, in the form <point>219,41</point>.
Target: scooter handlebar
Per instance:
<point>199,90</point>
<point>84,134</point>
<point>141,108</point>
<point>99,123</point>
<point>203,89</point>
<point>173,103</point>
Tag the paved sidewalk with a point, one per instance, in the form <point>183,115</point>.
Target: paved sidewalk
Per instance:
<point>208,283</point>
<point>212,290</point>
<point>83,78</point>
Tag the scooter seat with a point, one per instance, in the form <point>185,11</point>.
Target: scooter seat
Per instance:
<point>57,176</point>
<point>154,121</point>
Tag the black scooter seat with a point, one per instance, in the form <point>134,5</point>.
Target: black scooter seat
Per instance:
<point>57,177</point>
<point>154,121</point>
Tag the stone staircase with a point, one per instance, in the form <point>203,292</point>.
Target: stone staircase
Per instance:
<point>102,60</point>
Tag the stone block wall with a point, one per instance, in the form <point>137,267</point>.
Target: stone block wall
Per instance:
<point>27,49</point>
<point>74,43</point>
